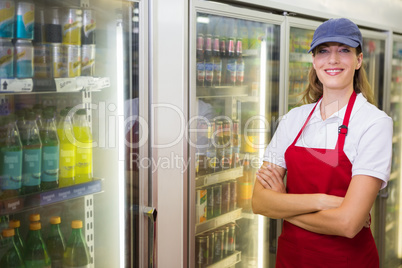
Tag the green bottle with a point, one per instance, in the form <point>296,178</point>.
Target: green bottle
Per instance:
<point>15,224</point>
<point>55,243</point>
<point>35,253</point>
<point>50,151</point>
<point>10,159</point>
<point>76,253</point>
<point>12,258</point>
<point>31,155</point>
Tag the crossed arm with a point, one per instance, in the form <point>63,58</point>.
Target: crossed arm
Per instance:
<point>319,213</point>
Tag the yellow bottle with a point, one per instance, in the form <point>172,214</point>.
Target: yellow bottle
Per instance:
<point>67,150</point>
<point>83,142</point>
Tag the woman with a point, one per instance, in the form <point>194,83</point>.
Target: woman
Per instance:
<point>336,153</point>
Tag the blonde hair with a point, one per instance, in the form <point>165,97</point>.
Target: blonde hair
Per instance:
<point>314,90</point>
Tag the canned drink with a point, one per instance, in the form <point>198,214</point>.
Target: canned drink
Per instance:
<point>71,26</point>
<point>225,240</point>
<point>6,58</point>
<point>88,27</point>
<point>201,205</point>
<point>42,61</point>
<point>58,65</point>
<point>217,192</point>
<point>25,19</point>
<point>201,251</point>
<point>232,238</point>
<point>219,240</point>
<point>211,236</point>
<point>53,31</point>
<point>210,203</point>
<point>225,197</point>
<point>233,195</point>
<point>23,58</point>
<point>88,60</point>
<point>72,56</point>
<point>7,18</point>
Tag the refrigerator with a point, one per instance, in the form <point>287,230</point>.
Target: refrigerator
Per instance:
<point>392,243</point>
<point>88,56</point>
<point>235,80</point>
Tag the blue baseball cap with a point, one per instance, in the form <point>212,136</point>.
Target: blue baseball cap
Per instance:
<point>337,30</point>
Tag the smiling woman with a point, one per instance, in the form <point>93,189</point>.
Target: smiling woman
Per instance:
<point>336,153</point>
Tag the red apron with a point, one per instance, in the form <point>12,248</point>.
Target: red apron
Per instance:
<point>326,171</point>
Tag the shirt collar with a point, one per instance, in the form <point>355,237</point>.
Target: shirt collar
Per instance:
<point>360,100</point>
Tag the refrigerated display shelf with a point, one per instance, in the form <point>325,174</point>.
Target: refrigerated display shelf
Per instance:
<point>229,261</point>
<point>73,84</point>
<point>218,221</point>
<point>21,203</point>
<point>218,177</point>
<point>222,91</point>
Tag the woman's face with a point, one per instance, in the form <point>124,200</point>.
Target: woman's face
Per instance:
<point>335,65</point>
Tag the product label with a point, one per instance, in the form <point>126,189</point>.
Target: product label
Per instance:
<point>72,33</point>
<point>67,160</point>
<point>50,163</point>
<point>231,68</point>
<point>7,13</point>
<point>25,20</point>
<point>24,61</point>
<point>6,61</point>
<point>201,205</point>
<point>12,170</point>
<point>200,71</point>
<point>31,166</point>
<point>240,72</point>
<point>209,71</point>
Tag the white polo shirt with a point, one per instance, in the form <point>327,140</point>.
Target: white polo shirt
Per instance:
<point>368,144</point>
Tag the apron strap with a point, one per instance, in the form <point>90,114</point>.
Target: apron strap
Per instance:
<point>343,129</point>
<point>305,123</point>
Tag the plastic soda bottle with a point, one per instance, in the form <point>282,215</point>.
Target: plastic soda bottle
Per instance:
<point>15,224</point>
<point>13,257</point>
<point>35,253</point>
<point>55,243</point>
<point>50,151</point>
<point>76,253</point>
<point>83,156</point>
<point>67,150</point>
<point>10,159</point>
<point>31,155</point>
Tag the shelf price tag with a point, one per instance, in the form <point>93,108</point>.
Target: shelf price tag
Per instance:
<point>16,85</point>
<point>66,85</point>
<point>101,82</point>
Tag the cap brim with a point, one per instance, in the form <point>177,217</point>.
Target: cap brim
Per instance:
<point>337,39</point>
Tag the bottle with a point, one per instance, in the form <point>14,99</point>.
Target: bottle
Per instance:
<point>10,159</point>
<point>220,144</point>
<point>50,151</point>
<point>239,63</point>
<point>55,243</point>
<point>245,187</point>
<point>227,150</point>
<point>83,156</point>
<point>231,63</point>
<point>13,257</point>
<point>15,224</point>
<point>36,254</point>
<point>217,75</point>
<point>211,150</point>
<point>67,150</point>
<point>76,253</point>
<point>31,155</point>
<point>34,217</point>
<point>209,61</point>
<point>236,144</point>
<point>20,119</point>
<point>200,60</point>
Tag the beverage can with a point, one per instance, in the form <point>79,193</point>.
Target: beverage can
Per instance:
<point>233,195</point>
<point>201,251</point>
<point>71,23</point>
<point>225,240</point>
<point>217,192</point>
<point>6,58</point>
<point>201,205</point>
<point>53,31</point>
<point>225,197</point>
<point>42,61</point>
<point>23,58</point>
<point>7,18</point>
<point>211,236</point>
<point>72,55</point>
<point>88,60</point>
<point>88,27</point>
<point>219,240</point>
<point>25,19</point>
<point>231,238</point>
<point>210,203</point>
<point>39,26</point>
<point>58,64</point>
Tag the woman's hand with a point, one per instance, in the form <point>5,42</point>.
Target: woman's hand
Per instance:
<point>271,178</point>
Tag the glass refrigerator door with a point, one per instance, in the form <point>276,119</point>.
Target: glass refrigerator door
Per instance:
<point>236,84</point>
<point>299,64</point>
<point>74,77</point>
<point>393,234</point>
